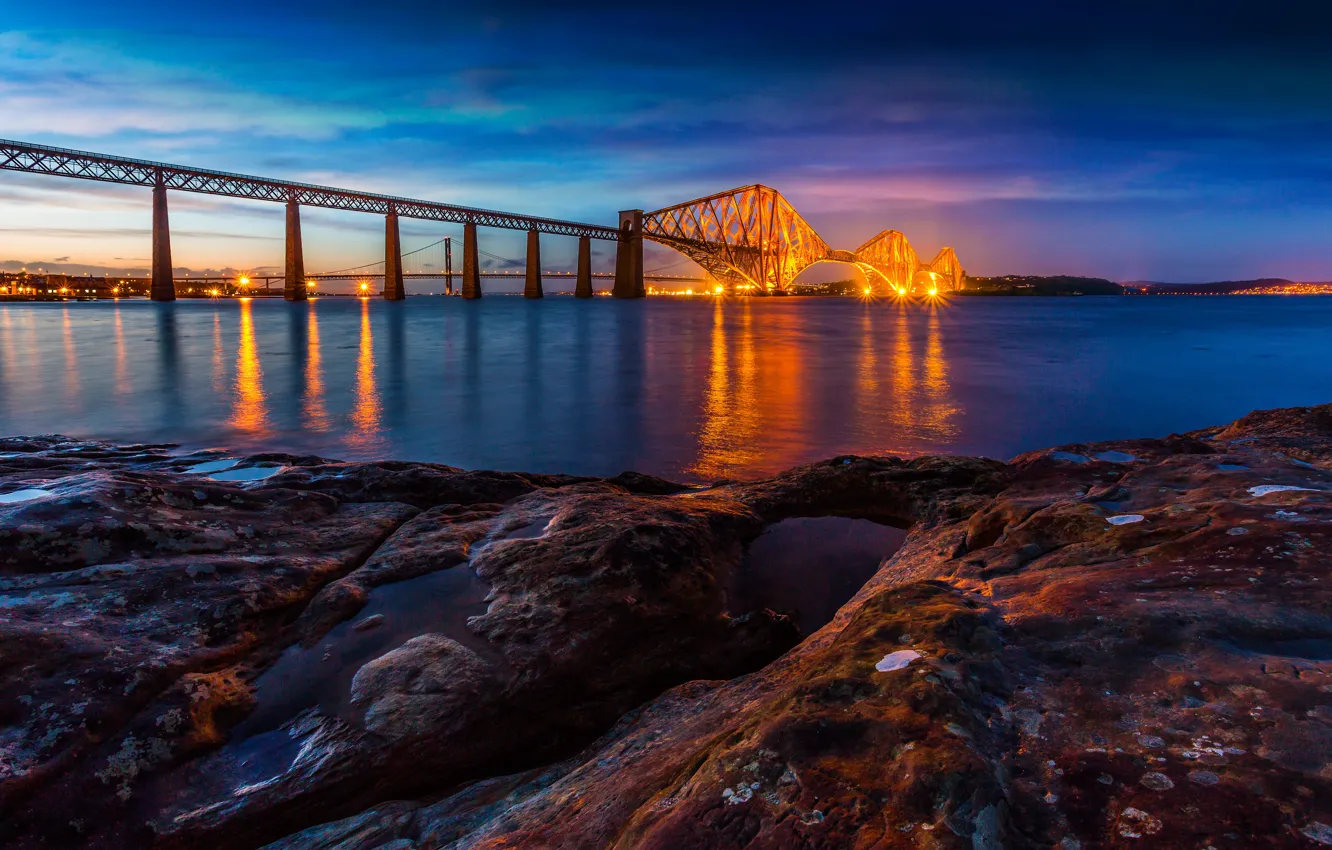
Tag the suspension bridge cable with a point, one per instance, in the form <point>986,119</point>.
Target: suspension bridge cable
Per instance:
<point>667,266</point>
<point>381,262</point>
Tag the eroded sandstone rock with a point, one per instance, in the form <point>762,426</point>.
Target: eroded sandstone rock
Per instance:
<point>1165,682</point>
<point>1114,645</point>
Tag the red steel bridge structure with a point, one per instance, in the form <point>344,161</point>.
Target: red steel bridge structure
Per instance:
<point>753,241</point>
<point>750,240</point>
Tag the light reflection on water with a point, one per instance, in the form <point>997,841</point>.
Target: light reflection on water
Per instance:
<point>696,389</point>
<point>312,386</point>
<point>250,415</point>
<point>364,435</point>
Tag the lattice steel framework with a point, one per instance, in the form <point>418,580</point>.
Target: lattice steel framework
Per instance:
<point>946,271</point>
<point>891,257</point>
<point>40,159</point>
<point>747,237</point>
<point>752,238</point>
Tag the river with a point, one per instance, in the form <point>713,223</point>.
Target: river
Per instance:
<point>695,389</point>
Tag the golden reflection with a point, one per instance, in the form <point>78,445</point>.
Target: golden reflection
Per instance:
<point>754,411</point>
<point>366,410</point>
<point>919,407</point>
<point>122,357</point>
<point>867,368</point>
<point>904,367</point>
<point>724,433</point>
<point>939,411</point>
<point>72,387</point>
<point>250,412</point>
<point>316,417</point>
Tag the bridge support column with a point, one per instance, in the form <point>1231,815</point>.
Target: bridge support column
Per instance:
<point>295,280</point>
<point>471,282</point>
<point>629,256</point>
<point>448,266</point>
<point>393,288</point>
<point>583,288</point>
<point>164,284</point>
<point>533,287</point>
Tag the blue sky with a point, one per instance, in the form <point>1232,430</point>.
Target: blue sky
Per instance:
<point>1164,141</point>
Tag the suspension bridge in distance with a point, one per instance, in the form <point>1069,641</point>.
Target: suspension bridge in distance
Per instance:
<point>749,240</point>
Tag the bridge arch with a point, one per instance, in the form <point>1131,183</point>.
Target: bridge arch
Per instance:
<point>752,241</point>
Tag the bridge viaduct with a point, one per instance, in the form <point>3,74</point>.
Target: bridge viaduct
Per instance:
<point>750,240</point>
<point>628,237</point>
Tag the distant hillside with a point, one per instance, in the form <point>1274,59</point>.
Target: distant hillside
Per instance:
<point>1019,284</point>
<point>1260,286</point>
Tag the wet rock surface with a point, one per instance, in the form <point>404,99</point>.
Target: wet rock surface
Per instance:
<point>1110,645</point>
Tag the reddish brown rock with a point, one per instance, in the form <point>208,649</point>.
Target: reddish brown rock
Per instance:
<point>1165,681</point>
<point>1113,645</point>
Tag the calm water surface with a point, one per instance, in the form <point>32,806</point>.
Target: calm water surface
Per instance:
<point>691,389</point>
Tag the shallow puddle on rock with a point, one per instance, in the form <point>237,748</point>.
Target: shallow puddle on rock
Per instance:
<point>27,495</point>
<point>249,473</point>
<point>213,466</point>
<point>1116,457</point>
<point>810,566</point>
<point>320,677</point>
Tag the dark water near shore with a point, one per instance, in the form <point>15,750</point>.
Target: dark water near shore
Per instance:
<point>693,389</point>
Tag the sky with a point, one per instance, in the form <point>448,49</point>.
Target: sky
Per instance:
<point>1136,141</point>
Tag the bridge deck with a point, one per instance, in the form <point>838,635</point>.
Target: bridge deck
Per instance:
<point>41,159</point>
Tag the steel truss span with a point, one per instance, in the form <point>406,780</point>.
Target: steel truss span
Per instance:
<point>751,239</point>
<point>40,159</point>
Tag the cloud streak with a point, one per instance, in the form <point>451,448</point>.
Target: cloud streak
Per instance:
<point>1052,123</point>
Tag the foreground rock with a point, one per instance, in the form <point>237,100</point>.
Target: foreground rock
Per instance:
<point>152,614</point>
<point>1028,675</point>
<point>1125,644</point>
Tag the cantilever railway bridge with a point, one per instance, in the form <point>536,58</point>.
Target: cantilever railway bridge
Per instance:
<point>750,240</point>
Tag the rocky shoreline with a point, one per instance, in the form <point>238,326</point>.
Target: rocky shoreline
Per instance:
<point>1111,645</point>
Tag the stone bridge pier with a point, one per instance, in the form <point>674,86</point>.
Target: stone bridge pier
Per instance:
<point>629,256</point>
<point>294,282</point>
<point>163,286</point>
